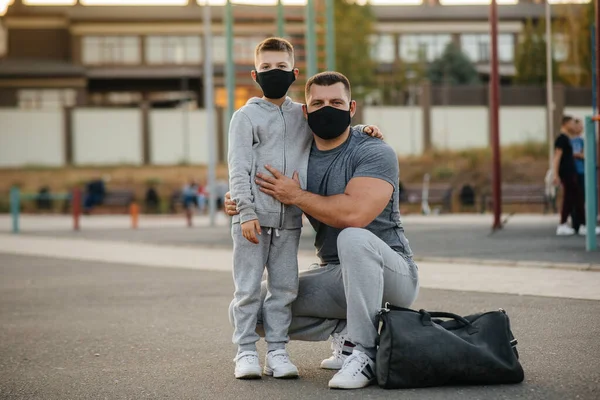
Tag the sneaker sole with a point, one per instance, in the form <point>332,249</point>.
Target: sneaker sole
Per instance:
<point>350,385</point>
<point>249,376</point>
<point>331,368</point>
<point>287,375</point>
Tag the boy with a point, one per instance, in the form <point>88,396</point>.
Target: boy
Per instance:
<point>269,130</point>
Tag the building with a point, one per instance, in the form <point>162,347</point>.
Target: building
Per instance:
<point>95,53</point>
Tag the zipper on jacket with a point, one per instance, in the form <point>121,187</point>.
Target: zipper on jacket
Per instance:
<point>282,207</point>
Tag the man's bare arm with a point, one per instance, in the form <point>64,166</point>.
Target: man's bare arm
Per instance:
<point>362,201</point>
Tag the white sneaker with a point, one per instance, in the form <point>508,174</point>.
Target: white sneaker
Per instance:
<point>583,230</point>
<point>247,365</point>
<point>278,365</point>
<point>357,372</point>
<point>564,230</point>
<point>337,359</point>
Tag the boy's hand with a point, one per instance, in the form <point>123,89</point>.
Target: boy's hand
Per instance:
<point>249,230</point>
<point>374,131</point>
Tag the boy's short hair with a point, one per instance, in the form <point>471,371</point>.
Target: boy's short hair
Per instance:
<point>275,44</point>
<point>328,78</point>
<point>566,119</point>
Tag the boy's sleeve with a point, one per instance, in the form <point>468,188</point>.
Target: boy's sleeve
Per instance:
<point>240,165</point>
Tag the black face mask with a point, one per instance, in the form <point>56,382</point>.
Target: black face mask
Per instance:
<point>329,122</point>
<point>275,83</point>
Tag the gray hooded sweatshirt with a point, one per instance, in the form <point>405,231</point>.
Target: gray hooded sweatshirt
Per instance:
<point>261,133</point>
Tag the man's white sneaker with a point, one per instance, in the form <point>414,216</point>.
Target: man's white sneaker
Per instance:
<point>357,372</point>
<point>337,359</point>
<point>583,230</point>
<point>247,365</point>
<point>564,230</point>
<point>278,365</point>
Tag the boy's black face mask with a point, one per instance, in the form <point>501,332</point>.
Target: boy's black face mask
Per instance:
<point>275,83</point>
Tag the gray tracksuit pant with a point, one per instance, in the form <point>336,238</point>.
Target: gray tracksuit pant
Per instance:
<point>278,251</point>
<point>345,297</point>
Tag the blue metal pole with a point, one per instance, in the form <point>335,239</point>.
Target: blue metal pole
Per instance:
<point>15,207</point>
<point>594,77</point>
<point>591,212</point>
<point>310,43</point>
<point>330,36</point>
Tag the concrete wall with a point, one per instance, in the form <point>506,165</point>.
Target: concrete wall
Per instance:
<point>456,128</point>
<point>114,136</point>
<point>401,126</point>
<point>170,129</point>
<point>107,136</point>
<point>31,138</point>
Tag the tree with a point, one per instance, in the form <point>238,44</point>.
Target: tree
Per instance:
<point>530,61</point>
<point>453,67</point>
<point>574,35</point>
<point>353,31</point>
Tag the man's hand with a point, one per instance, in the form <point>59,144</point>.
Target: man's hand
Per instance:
<point>230,206</point>
<point>374,131</point>
<point>250,229</point>
<point>279,186</point>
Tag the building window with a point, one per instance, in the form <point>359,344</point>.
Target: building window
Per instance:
<point>219,49</point>
<point>111,50</point>
<point>478,46</point>
<point>244,47</point>
<point>423,47</point>
<point>560,48</point>
<point>383,48</point>
<point>173,50</point>
<point>32,99</point>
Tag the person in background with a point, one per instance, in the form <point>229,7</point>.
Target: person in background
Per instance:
<point>577,144</point>
<point>201,198</point>
<point>189,194</point>
<point>565,173</point>
<point>95,191</point>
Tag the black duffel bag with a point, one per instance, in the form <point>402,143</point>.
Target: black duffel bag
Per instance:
<point>418,350</point>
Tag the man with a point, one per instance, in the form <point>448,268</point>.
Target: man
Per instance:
<point>352,202</point>
<point>565,173</point>
<point>577,144</point>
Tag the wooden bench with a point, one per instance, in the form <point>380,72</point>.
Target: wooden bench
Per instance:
<point>115,200</point>
<point>519,193</point>
<point>439,194</point>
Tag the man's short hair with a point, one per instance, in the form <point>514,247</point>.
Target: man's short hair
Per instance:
<point>566,119</point>
<point>275,44</point>
<point>328,78</point>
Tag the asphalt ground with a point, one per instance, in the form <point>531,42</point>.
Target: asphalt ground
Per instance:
<point>93,330</point>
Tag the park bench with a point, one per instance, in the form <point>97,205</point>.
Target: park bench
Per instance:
<point>115,201</point>
<point>519,194</point>
<point>439,194</point>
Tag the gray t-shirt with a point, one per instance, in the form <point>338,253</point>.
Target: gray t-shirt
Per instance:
<point>330,171</point>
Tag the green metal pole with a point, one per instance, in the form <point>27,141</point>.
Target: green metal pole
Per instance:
<point>230,64</point>
<point>591,212</point>
<point>280,19</point>
<point>310,39</point>
<point>15,208</point>
<point>330,11</point>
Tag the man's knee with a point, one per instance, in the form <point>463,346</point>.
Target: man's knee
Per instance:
<point>353,240</point>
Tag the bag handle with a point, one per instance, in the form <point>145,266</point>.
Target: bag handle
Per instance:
<point>426,319</point>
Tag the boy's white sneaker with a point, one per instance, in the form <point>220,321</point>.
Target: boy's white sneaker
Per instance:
<point>247,365</point>
<point>337,359</point>
<point>357,372</point>
<point>564,230</point>
<point>278,365</point>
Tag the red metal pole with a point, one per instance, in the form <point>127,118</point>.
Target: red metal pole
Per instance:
<point>494,117</point>
<point>76,207</point>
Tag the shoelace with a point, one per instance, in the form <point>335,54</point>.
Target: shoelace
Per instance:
<point>337,345</point>
<point>353,358</point>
